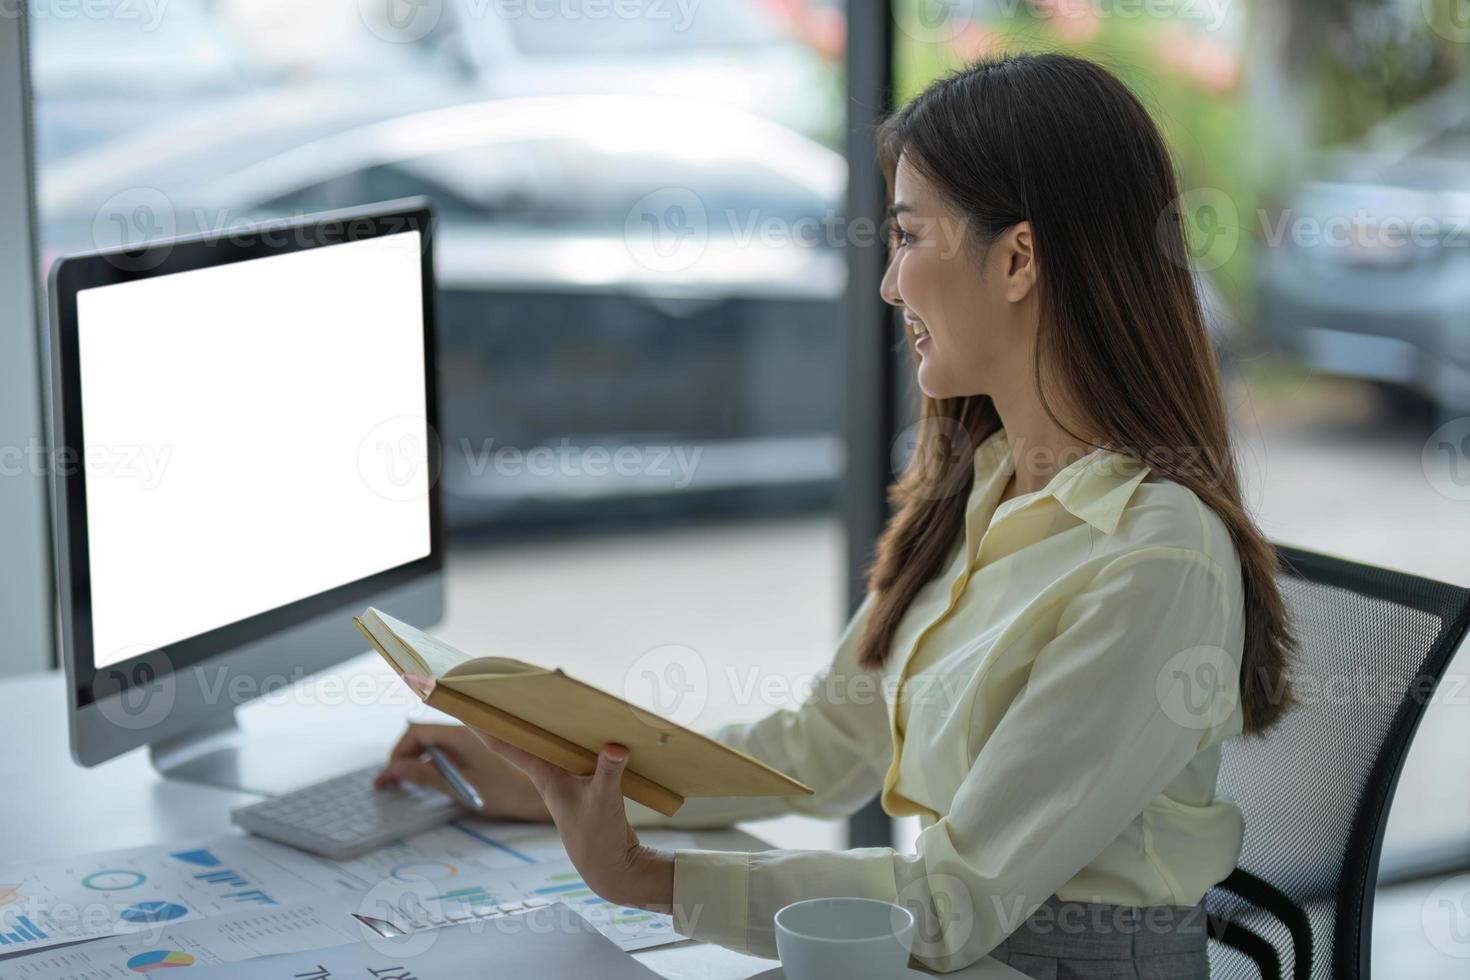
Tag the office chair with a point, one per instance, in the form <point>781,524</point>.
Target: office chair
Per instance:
<point>1316,790</point>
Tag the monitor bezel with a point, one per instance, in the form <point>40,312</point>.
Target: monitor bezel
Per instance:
<point>74,273</point>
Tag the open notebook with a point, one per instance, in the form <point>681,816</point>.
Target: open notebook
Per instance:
<point>564,721</point>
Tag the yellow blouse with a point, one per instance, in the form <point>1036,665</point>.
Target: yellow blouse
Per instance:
<point>1052,710</point>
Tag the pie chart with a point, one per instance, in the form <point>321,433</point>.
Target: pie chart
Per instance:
<point>153,912</point>
<point>159,959</point>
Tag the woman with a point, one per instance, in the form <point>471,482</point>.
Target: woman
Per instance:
<point>1069,610</point>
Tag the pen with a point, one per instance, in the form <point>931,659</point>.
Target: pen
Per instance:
<point>463,791</point>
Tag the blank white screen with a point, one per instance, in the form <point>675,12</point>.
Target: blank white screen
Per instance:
<point>227,414</point>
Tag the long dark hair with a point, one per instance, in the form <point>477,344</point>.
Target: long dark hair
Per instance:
<point>1061,143</point>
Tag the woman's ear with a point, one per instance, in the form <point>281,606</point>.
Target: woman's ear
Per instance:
<point>1019,257</point>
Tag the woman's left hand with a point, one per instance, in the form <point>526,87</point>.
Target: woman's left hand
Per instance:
<point>588,812</point>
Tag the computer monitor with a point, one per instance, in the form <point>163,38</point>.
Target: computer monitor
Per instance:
<point>244,454</point>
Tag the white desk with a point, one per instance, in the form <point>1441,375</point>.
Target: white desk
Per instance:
<point>55,808</point>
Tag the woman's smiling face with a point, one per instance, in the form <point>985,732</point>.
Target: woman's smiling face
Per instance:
<point>970,316</point>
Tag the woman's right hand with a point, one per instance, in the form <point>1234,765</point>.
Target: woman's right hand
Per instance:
<point>507,792</point>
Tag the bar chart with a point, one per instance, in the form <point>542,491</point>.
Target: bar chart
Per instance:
<point>20,930</point>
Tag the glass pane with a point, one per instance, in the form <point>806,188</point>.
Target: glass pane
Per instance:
<point>638,309</point>
<point>1324,159</point>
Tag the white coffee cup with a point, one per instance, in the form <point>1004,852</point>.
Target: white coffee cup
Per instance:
<point>844,939</point>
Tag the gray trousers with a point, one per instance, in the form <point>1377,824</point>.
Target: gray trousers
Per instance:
<point>1076,940</point>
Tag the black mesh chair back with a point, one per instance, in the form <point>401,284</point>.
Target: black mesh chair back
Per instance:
<point>1316,790</point>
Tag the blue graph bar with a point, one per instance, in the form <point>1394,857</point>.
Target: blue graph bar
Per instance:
<point>575,886</point>
<point>203,857</point>
<point>492,842</point>
<point>27,924</point>
<point>14,937</point>
<point>254,895</point>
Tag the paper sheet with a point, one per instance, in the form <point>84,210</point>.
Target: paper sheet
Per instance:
<point>203,942</point>
<point>551,943</point>
<point>105,894</point>
<point>231,878</point>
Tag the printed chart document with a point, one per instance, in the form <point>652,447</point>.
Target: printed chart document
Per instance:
<point>62,900</point>
<point>550,943</point>
<point>245,893</point>
<point>202,942</point>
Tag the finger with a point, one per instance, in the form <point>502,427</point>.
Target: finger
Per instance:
<point>607,778</point>
<point>419,683</point>
<point>419,773</point>
<point>415,740</point>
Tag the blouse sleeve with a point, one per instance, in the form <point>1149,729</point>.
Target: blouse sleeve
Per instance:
<point>837,742</point>
<point>1088,742</point>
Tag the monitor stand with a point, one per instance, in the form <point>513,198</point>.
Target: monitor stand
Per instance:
<point>228,757</point>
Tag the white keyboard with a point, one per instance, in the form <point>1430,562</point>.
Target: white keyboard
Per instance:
<point>343,817</point>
